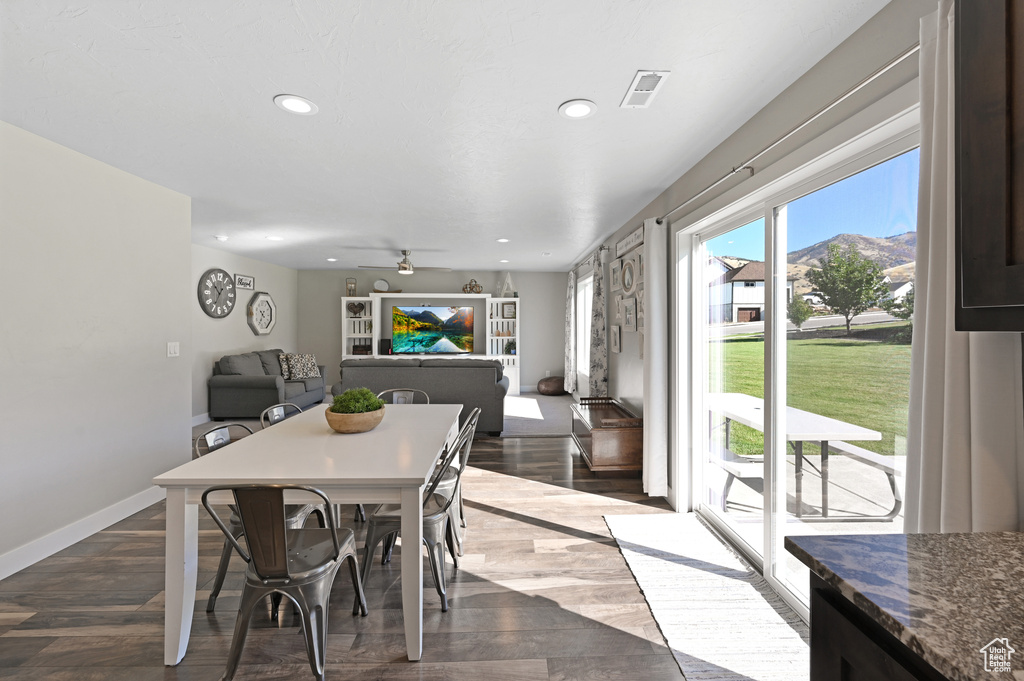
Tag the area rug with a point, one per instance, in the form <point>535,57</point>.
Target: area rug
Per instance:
<point>535,415</point>
<point>718,615</point>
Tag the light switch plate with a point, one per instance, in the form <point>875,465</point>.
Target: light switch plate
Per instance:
<point>173,349</point>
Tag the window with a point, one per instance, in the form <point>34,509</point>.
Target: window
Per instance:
<point>801,410</point>
<point>584,306</point>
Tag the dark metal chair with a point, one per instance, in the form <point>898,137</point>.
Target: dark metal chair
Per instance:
<point>211,441</point>
<point>451,480</point>
<point>276,412</point>
<point>300,564</point>
<point>386,522</point>
<point>404,396</point>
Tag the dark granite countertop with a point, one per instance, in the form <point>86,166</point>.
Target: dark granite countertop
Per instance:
<point>946,596</point>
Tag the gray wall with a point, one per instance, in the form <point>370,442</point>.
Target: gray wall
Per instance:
<point>93,263</point>
<point>542,312</point>
<point>214,338</point>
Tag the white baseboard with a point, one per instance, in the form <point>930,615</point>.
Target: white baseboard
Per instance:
<point>200,419</point>
<point>44,547</point>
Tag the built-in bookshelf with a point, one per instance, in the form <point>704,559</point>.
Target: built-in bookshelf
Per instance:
<point>363,321</point>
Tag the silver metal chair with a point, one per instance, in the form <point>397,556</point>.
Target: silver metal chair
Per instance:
<point>404,396</point>
<point>211,441</point>
<point>385,523</point>
<point>451,479</point>
<point>300,564</point>
<point>277,412</point>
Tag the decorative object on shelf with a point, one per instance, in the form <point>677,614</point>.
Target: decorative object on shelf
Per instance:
<point>355,309</point>
<point>508,310</point>
<point>244,281</point>
<point>510,347</point>
<point>356,410</point>
<point>551,385</point>
<point>614,341</point>
<point>507,288</point>
<point>472,287</point>
<point>382,286</point>
<point>261,314</point>
<point>216,293</point>
<point>616,277</point>
<point>629,314</point>
<point>350,287</point>
<point>362,349</point>
<point>629,277</point>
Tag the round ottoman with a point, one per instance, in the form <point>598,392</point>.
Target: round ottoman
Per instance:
<point>551,385</point>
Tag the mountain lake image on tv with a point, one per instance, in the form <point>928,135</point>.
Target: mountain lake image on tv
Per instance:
<point>431,330</point>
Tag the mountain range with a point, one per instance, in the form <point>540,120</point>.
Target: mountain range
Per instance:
<point>888,252</point>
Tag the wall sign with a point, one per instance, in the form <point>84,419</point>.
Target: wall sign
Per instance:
<point>244,281</point>
<point>630,242</point>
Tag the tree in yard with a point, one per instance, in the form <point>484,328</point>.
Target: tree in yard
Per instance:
<point>902,309</point>
<point>799,311</point>
<point>847,282</point>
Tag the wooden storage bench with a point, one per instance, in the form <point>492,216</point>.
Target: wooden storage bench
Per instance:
<point>610,437</point>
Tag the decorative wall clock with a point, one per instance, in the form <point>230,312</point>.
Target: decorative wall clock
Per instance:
<point>261,314</point>
<point>216,293</point>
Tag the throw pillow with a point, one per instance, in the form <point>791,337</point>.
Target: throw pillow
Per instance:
<point>303,366</point>
<point>247,364</point>
<point>285,371</point>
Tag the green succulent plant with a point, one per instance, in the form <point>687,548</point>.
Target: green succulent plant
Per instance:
<point>356,401</point>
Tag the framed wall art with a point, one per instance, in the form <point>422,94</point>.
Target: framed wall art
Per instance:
<point>244,281</point>
<point>614,341</point>
<point>629,314</point>
<point>616,274</point>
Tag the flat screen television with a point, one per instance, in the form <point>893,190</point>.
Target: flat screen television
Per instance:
<point>436,330</point>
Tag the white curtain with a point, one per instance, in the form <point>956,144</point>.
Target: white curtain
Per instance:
<point>598,332</point>
<point>569,382</point>
<point>655,341</point>
<point>966,437</point>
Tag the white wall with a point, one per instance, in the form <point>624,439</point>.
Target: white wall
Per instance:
<point>214,338</point>
<point>541,322</point>
<point>93,262</point>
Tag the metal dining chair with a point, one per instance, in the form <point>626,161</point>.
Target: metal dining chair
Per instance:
<point>385,523</point>
<point>277,412</point>
<point>451,479</point>
<point>404,396</point>
<point>299,564</point>
<point>211,441</point>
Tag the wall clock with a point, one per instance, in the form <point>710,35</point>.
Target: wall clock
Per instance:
<point>216,293</point>
<point>261,313</point>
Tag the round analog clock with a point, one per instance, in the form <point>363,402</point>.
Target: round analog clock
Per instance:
<point>216,293</point>
<point>261,313</point>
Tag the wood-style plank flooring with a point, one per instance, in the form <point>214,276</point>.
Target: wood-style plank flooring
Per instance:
<point>542,593</point>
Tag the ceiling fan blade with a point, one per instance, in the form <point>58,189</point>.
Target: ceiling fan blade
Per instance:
<point>376,267</point>
<point>436,269</point>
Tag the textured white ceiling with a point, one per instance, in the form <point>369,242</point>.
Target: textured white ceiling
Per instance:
<point>438,128</point>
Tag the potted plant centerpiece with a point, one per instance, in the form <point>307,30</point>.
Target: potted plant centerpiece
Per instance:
<point>356,410</point>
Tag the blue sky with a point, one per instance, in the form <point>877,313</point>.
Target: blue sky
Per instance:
<point>880,201</point>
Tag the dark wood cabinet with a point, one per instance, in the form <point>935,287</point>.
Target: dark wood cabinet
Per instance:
<point>846,645</point>
<point>610,437</point>
<point>989,59</point>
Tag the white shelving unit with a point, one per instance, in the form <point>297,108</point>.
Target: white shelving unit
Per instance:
<point>360,330</point>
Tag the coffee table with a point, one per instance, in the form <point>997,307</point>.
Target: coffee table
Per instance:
<point>389,464</point>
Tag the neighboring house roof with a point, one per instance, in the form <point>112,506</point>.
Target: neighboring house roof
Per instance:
<point>752,271</point>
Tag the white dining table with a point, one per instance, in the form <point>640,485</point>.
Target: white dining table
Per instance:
<point>389,464</point>
<point>801,426</point>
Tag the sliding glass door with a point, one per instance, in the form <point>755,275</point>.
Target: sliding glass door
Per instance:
<point>803,318</point>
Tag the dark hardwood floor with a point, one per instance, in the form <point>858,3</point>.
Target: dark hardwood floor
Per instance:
<point>542,593</point>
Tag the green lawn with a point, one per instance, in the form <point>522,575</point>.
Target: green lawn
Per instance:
<point>862,382</point>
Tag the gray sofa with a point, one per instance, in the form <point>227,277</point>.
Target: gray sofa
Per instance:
<point>244,385</point>
<point>470,382</point>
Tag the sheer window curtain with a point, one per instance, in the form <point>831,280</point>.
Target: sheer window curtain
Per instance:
<point>656,371</point>
<point>966,437</point>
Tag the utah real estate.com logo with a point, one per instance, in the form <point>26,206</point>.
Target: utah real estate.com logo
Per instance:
<point>997,654</point>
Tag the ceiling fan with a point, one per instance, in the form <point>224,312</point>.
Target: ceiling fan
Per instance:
<point>405,266</point>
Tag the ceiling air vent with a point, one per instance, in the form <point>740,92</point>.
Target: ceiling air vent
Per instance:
<point>643,88</point>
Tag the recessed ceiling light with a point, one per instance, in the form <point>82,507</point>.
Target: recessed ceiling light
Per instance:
<point>332,260</point>
<point>503,261</point>
<point>221,237</point>
<point>502,241</point>
<point>546,254</point>
<point>296,105</point>
<point>577,108</point>
<point>275,238</point>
